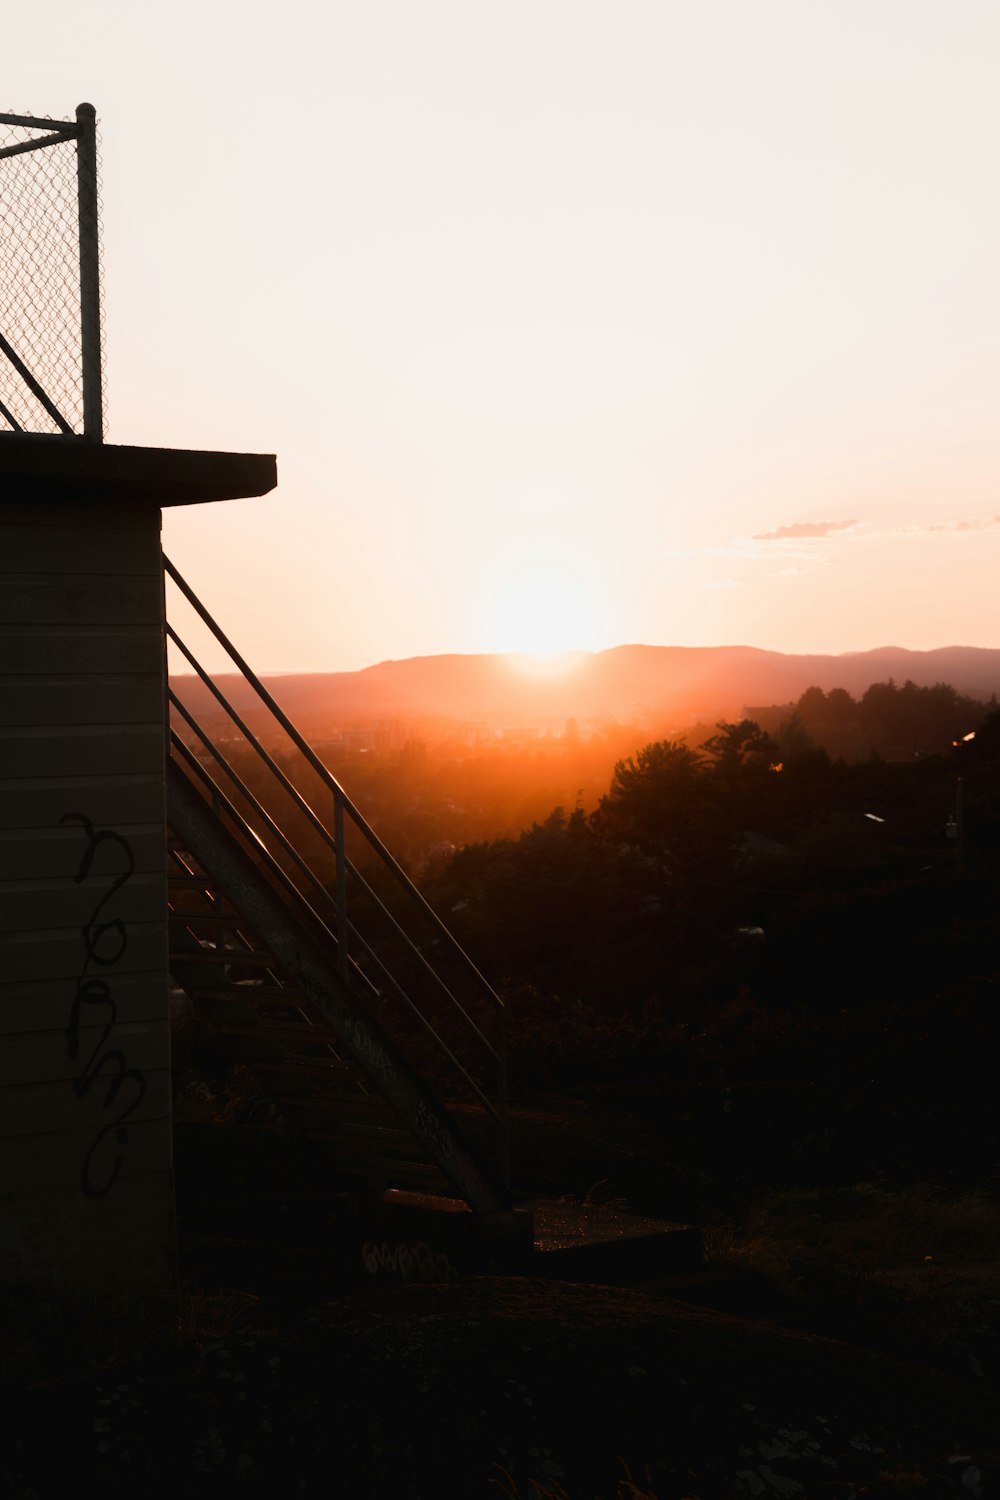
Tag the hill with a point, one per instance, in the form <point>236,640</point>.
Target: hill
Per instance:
<point>655,687</point>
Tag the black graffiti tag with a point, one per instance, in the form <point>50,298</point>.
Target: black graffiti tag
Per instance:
<point>104,943</point>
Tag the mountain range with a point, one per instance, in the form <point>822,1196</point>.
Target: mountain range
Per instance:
<point>657,687</point>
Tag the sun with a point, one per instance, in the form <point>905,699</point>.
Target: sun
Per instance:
<point>542,613</point>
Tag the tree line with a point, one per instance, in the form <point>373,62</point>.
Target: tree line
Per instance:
<point>772,950</point>
<point>891,720</point>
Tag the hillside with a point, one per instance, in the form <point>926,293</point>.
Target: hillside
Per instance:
<point>653,686</point>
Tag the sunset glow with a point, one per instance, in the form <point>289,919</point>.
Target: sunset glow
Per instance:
<point>569,326</point>
<point>541,613</point>
<point>545,663</point>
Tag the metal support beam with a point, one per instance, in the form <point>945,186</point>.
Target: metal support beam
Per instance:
<point>10,353</point>
<point>52,139</point>
<point>90,273</point>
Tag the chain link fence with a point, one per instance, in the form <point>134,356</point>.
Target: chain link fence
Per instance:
<point>51,363</point>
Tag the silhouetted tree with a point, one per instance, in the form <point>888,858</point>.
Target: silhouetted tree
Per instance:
<point>737,749</point>
<point>659,802</point>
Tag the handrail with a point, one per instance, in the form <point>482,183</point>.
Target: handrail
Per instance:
<point>330,781</point>
<point>216,791</point>
<point>247,733</point>
<point>344,931</point>
<point>344,866</point>
<point>301,900</point>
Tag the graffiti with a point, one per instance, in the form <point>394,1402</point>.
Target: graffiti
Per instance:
<point>104,945</point>
<point>452,1156</point>
<point>407,1263</point>
<point>370,1053</point>
<point>440,1137</point>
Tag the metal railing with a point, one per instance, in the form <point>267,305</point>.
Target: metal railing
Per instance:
<point>51,372</point>
<point>334,871</point>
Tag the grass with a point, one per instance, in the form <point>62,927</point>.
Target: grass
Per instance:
<point>914,1270</point>
<point>50,1337</point>
<point>864,1228</point>
<point>627,1488</point>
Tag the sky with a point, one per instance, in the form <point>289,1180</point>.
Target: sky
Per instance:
<point>571,323</point>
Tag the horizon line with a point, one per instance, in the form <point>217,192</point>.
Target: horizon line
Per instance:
<point>602,651</point>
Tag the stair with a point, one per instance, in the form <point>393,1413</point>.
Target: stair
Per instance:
<point>298,1060</point>
<point>353,1033</point>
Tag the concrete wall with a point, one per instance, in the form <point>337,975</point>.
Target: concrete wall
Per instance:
<point>86,1193</point>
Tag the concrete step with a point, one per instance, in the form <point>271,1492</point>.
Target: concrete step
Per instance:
<point>597,1243</point>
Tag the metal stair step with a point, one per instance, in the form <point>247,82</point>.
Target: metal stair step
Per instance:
<point>313,1035</point>
<point>209,919</point>
<point>259,957</point>
<point>356,1142</point>
<point>245,992</point>
<point>231,1010</point>
<point>414,1174</point>
<point>337,1093</point>
<point>369,1105</point>
<point>384,1158</point>
<point>394,1133</point>
<point>318,1071</point>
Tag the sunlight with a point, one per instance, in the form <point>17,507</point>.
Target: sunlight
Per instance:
<point>540,615</point>
<point>544,663</point>
<point>543,614</point>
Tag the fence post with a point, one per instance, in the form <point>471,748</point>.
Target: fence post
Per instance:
<point>338,836</point>
<point>90,273</point>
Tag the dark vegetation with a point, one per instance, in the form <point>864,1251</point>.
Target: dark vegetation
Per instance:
<point>893,722</point>
<point>781,961</point>
<point>787,961</point>
<point>751,974</point>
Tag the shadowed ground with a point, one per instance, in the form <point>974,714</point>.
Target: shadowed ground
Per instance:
<point>280,1379</point>
<point>538,1388</point>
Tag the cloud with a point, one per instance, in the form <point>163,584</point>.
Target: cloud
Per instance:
<point>799,530</point>
<point>989,524</point>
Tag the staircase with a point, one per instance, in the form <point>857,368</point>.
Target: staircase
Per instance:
<point>303,942</point>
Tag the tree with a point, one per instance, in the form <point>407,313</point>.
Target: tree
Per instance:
<point>661,803</point>
<point>794,739</point>
<point>739,748</point>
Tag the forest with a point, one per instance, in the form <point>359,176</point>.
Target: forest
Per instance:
<point>767,939</point>
<point>788,961</point>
